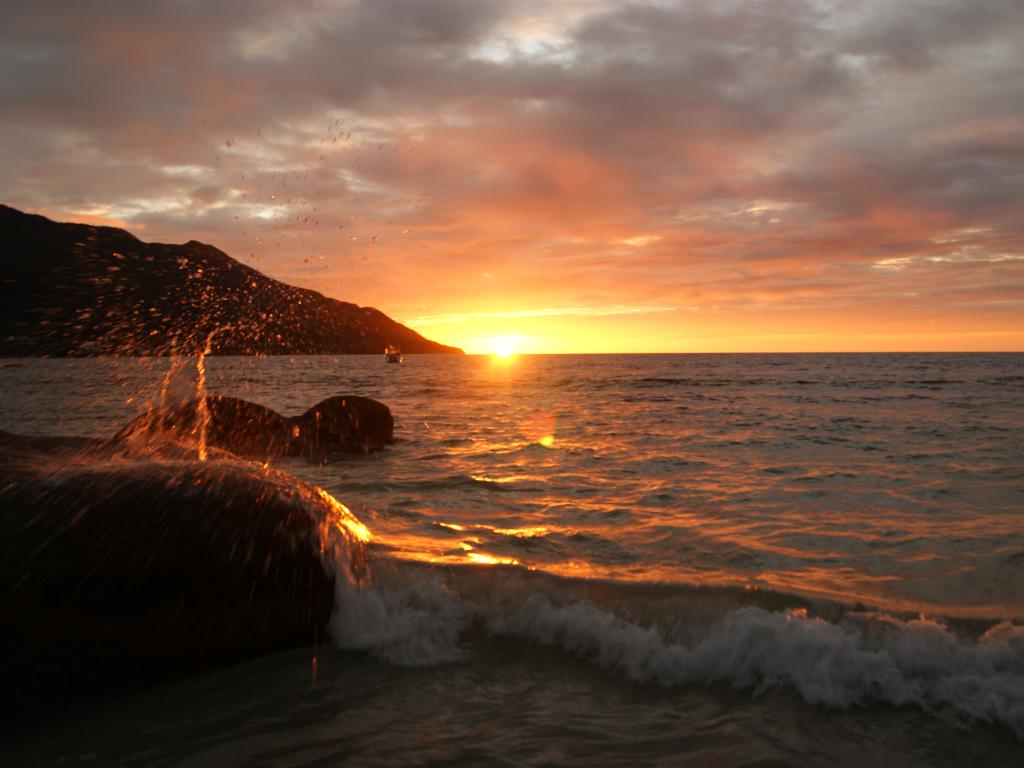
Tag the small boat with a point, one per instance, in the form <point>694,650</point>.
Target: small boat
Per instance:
<point>393,354</point>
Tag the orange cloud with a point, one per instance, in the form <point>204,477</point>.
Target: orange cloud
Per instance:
<point>747,176</point>
<point>87,218</point>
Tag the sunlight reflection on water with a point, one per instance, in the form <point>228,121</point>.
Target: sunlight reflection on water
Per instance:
<point>892,479</point>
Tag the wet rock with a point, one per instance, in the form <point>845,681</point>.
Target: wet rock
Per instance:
<point>231,424</point>
<point>122,572</point>
<point>342,424</point>
<point>127,561</point>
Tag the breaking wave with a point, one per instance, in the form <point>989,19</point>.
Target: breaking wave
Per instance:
<point>833,656</point>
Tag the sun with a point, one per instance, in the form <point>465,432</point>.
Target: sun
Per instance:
<point>504,348</point>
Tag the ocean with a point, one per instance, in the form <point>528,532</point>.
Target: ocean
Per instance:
<point>717,560</point>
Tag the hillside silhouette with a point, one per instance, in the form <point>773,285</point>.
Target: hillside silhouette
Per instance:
<point>77,289</point>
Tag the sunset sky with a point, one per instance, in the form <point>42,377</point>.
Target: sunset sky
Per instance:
<point>697,175</point>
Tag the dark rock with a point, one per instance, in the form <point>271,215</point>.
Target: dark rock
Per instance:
<point>123,572</point>
<point>127,561</point>
<point>342,424</point>
<point>234,425</point>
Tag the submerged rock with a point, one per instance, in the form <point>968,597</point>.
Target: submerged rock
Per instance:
<point>342,424</point>
<point>121,571</point>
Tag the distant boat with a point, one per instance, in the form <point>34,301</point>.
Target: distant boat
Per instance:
<point>393,354</point>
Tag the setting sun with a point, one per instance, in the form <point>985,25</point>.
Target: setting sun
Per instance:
<point>505,346</point>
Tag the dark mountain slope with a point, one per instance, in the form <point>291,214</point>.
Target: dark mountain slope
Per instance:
<point>73,289</point>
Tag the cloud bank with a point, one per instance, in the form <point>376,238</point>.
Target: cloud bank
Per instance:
<point>785,174</point>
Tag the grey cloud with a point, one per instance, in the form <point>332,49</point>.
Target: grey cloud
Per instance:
<point>440,22</point>
<point>916,33</point>
<point>663,109</point>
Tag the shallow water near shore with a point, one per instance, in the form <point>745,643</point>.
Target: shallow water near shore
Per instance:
<point>619,559</point>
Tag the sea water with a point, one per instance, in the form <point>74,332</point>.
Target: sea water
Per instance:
<point>618,559</point>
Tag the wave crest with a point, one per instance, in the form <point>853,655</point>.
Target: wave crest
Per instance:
<point>855,659</point>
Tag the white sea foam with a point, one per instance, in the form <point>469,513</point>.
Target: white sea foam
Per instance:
<point>869,658</point>
<point>414,625</point>
<point>863,659</point>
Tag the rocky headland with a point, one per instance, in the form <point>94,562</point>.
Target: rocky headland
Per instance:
<point>77,289</point>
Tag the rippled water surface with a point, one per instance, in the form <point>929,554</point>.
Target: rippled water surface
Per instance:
<point>728,549</point>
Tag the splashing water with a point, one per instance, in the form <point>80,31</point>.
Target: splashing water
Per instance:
<point>343,541</point>
<point>202,409</point>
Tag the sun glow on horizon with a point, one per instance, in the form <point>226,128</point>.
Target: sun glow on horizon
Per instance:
<point>504,347</point>
<point>717,330</point>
